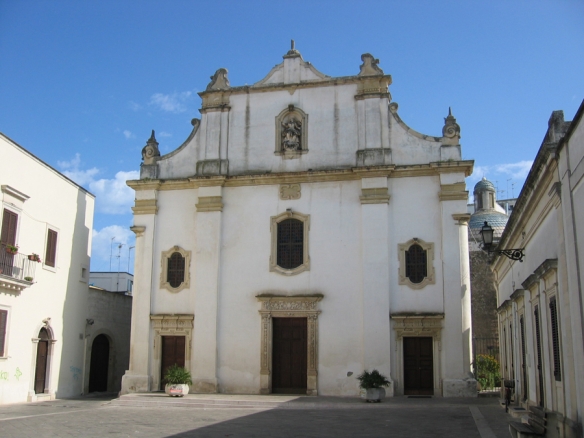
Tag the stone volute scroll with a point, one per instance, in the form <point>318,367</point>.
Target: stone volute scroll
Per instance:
<point>451,130</point>
<point>291,132</point>
<point>150,152</point>
<point>219,80</point>
<point>369,66</point>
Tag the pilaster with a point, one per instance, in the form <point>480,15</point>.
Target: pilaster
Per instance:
<point>375,266</point>
<point>206,285</point>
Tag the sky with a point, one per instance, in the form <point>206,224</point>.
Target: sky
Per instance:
<point>83,83</point>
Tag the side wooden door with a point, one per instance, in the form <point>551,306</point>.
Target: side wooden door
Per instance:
<point>289,363</point>
<point>173,352</point>
<point>40,375</point>
<point>418,366</point>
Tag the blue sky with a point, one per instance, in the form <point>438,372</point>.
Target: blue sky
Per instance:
<point>82,83</point>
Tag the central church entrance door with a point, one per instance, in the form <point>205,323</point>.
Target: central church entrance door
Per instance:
<point>289,364</point>
<point>418,366</point>
<point>173,352</point>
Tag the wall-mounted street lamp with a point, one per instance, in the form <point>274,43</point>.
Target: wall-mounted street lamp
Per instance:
<point>487,235</point>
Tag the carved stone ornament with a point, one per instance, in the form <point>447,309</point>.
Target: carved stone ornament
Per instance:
<point>289,191</point>
<point>369,66</point>
<point>451,130</point>
<point>291,132</point>
<point>219,80</point>
<point>150,152</point>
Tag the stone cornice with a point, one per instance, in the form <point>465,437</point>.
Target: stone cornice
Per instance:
<point>210,203</point>
<point>145,206</point>
<point>355,173</point>
<point>453,192</point>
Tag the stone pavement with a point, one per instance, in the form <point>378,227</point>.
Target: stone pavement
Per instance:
<point>233,416</point>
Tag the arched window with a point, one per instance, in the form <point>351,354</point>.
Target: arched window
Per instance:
<point>174,274</point>
<point>416,264</point>
<point>176,269</point>
<point>289,254</point>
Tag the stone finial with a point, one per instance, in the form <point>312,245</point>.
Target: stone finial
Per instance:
<point>369,66</point>
<point>150,152</point>
<point>292,53</point>
<point>219,80</point>
<point>450,131</point>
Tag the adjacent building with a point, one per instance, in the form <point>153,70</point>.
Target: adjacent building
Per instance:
<point>302,234</point>
<point>541,304</point>
<point>44,270</point>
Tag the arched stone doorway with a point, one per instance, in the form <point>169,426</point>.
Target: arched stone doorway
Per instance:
<point>99,365</point>
<point>40,377</point>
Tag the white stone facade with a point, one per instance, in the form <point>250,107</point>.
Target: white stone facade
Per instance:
<point>359,181</point>
<point>541,304</point>
<point>48,297</point>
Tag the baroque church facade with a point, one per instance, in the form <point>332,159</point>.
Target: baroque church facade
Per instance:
<point>301,234</point>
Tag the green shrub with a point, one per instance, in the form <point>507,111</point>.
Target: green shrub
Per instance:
<point>487,371</point>
<point>372,379</point>
<point>176,375</point>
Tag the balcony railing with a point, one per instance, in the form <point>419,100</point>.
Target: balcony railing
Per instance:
<point>16,266</point>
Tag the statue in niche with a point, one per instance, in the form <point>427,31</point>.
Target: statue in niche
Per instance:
<point>291,134</point>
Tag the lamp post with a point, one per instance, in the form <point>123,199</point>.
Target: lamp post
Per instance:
<point>511,253</point>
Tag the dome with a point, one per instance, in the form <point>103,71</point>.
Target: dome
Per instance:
<point>495,219</point>
<point>484,184</point>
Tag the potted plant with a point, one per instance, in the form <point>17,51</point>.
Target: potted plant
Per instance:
<point>34,257</point>
<point>28,279</point>
<point>177,381</point>
<point>11,249</point>
<point>373,382</point>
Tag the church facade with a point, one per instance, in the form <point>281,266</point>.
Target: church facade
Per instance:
<point>302,234</point>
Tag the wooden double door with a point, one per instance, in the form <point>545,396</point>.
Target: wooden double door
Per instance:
<point>418,366</point>
<point>289,351</point>
<point>173,353</point>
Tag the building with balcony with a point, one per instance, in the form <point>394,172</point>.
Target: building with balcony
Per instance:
<point>44,271</point>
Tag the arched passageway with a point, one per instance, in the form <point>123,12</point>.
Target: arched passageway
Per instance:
<point>99,366</point>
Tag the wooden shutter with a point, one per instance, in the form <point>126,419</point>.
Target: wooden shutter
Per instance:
<point>9,223</point>
<point>51,254</point>
<point>523,364</point>
<point>3,322</point>
<point>555,339</point>
<point>538,345</point>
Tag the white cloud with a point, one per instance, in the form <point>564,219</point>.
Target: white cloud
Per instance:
<point>164,134</point>
<point>515,170</point>
<point>112,196</point>
<point>174,103</point>
<point>507,177</point>
<point>134,106</point>
<point>105,249</point>
<point>128,134</point>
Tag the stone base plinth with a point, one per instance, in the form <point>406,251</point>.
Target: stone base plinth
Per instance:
<point>204,386</point>
<point>459,388</point>
<point>134,383</point>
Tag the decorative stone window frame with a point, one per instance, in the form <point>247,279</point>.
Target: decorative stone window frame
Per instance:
<point>299,114</point>
<point>165,256</point>
<point>274,221</point>
<point>420,325</point>
<point>170,325</point>
<point>304,306</point>
<point>430,273</point>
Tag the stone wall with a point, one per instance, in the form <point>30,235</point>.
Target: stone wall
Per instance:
<point>483,297</point>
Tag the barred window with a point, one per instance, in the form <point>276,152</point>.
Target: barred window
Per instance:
<point>176,269</point>
<point>416,264</point>
<point>290,243</point>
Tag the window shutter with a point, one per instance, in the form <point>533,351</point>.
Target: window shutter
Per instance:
<point>9,222</point>
<point>51,254</point>
<point>523,364</point>
<point>555,339</point>
<point>3,321</point>
<point>538,342</point>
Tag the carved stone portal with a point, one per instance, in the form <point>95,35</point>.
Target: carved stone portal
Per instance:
<point>289,307</point>
<point>291,138</point>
